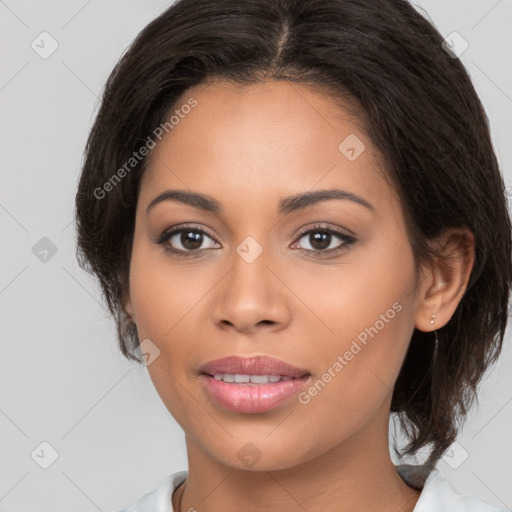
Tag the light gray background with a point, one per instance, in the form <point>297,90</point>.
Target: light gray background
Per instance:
<point>62,379</point>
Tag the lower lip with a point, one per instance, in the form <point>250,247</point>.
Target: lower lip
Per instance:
<point>252,398</point>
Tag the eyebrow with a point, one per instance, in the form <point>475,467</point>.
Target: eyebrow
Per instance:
<point>286,205</point>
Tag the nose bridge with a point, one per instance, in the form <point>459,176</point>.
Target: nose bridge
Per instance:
<point>250,278</point>
<point>251,296</point>
<point>250,273</point>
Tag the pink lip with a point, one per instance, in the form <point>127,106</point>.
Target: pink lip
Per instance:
<point>252,365</point>
<point>252,398</point>
<point>249,397</point>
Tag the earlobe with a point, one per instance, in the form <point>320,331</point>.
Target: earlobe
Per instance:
<point>128,309</point>
<point>446,281</point>
<point>127,305</point>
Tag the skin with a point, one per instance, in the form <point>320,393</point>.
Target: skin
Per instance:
<point>248,147</point>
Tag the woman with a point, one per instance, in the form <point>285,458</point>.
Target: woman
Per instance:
<point>298,221</point>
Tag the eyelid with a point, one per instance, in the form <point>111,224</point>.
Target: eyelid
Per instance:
<point>319,226</point>
<point>346,239</point>
<point>166,234</point>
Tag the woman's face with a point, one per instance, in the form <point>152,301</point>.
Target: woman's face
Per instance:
<point>265,280</point>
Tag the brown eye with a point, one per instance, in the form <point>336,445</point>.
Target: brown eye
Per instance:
<point>320,240</point>
<point>186,241</point>
<point>324,240</point>
<point>191,240</point>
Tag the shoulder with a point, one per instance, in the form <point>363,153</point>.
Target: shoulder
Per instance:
<point>437,495</point>
<point>159,500</point>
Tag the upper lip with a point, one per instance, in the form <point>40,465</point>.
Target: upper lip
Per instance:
<point>252,365</point>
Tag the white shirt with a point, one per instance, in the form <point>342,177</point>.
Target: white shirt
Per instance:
<point>436,493</point>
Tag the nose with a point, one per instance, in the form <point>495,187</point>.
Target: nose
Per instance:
<point>252,297</point>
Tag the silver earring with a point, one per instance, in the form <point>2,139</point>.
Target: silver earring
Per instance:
<point>434,362</point>
<point>433,319</point>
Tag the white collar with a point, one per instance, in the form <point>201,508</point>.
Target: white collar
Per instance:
<point>437,495</point>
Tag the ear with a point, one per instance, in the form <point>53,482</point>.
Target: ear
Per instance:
<point>445,282</point>
<point>127,304</point>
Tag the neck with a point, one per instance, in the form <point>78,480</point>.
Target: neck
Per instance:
<point>357,474</point>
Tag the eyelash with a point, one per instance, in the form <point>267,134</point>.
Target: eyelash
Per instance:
<point>347,240</point>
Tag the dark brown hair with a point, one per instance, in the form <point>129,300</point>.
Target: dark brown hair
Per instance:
<point>418,106</point>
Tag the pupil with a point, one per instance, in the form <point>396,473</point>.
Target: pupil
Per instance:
<point>321,238</point>
<point>191,240</point>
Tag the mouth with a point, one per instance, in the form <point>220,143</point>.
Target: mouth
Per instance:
<point>253,384</point>
<point>239,378</point>
<point>252,397</point>
<point>258,369</point>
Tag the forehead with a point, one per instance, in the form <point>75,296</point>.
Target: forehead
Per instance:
<point>260,140</point>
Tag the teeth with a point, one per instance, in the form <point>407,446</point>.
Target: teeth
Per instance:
<point>252,379</point>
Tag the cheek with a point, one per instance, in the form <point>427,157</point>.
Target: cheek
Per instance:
<point>355,374</point>
<point>371,285</point>
<point>367,316</point>
<point>162,293</point>
<point>163,296</point>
